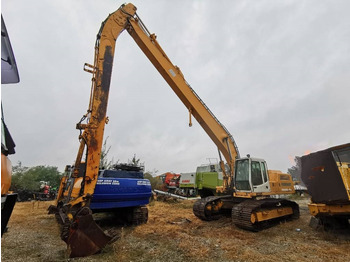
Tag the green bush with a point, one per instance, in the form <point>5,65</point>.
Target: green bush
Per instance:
<point>28,178</point>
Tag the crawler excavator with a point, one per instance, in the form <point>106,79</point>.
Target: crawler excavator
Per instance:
<point>79,230</point>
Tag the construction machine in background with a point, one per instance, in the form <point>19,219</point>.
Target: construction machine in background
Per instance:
<point>170,182</point>
<point>326,174</point>
<point>244,182</point>
<point>9,75</point>
<point>46,193</point>
<point>203,182</point>
<point>122,190</point>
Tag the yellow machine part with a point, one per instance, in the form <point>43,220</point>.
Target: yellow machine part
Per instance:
<point>6,173</point>
<point>265,215</point>
<point>76,188</point>
<point>214,206</point>
<point>344,169</point>
<point>324,209</point>
<point>280,183</point>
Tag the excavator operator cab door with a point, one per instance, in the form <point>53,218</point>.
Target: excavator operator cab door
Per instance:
<point>251,175</point>
<point>259,176</point>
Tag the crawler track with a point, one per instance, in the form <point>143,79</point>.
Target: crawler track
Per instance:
<point>139,215</point>
<point>205,208</point>
<point>242,212</point>
<point>210,208</point>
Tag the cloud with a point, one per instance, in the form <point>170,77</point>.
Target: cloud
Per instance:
<point>275,74</point>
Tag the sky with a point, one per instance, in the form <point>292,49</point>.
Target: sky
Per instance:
<point>275,73</point>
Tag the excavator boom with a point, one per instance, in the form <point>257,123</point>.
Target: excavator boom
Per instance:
<point>72,209</point>
<point>196,107</point>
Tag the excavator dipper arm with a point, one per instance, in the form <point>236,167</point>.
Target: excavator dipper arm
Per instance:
<point>82,235</point>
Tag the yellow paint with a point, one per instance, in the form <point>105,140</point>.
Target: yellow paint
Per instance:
<point>6,173</point>
<point>323,209</point>
<point>344,170</point>
<point>280,183</point>
<point>271,214</point>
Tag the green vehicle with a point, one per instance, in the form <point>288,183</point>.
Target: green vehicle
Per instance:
<point>203,182</point>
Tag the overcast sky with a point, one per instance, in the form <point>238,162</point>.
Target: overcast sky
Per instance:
<point>275,73</point>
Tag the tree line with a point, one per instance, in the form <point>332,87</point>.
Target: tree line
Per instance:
<point>30,178</point>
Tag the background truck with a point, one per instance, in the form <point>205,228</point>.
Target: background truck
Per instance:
<point>203,182</point>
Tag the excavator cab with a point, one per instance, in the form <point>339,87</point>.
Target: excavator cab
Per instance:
<point>251,175</point>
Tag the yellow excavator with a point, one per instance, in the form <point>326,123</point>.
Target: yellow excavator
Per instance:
<point>245,180</point>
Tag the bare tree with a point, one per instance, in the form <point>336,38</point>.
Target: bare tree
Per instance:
<point>295,171</point>
<point>105,163</point>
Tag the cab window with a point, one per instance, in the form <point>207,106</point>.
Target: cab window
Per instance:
<point>263,169</point>
<point>256,173</point>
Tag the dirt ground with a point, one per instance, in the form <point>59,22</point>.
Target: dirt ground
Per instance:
<point>173,233</point>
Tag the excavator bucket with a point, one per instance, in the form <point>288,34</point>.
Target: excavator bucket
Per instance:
<point>86,237</point>
<point>82,235</point>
